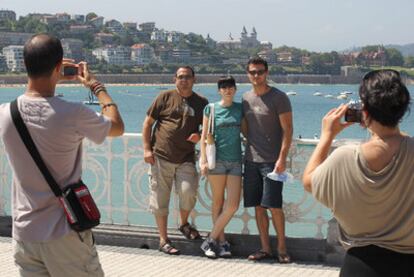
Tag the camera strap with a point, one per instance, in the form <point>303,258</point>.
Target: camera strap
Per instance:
<point>31,147</point>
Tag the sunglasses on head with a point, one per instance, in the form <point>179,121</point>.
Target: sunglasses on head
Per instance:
<point>184,77</point>
<point>257,72</point>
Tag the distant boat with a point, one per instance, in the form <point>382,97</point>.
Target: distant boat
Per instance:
<point>59,95</point>
<point>91,102</point>
<point>346,92</point>
<point>329,96</point>
<point>291,93</point>
<point>342,97</point>
<point>317,94</point>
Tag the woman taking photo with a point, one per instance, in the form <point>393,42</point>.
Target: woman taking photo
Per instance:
<point>370,187</point>
<point>226,175</point>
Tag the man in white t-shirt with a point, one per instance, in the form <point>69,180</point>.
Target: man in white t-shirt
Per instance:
<point>43,243</point>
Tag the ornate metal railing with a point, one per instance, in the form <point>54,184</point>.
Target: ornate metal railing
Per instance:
<point>117,177</point>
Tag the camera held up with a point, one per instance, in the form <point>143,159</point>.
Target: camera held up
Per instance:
<point>354,111</point>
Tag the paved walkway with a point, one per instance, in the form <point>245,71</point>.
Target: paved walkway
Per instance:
<point>122,261</point>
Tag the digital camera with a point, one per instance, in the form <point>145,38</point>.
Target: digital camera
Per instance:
<point>70,70</point>
<point>354,111</point>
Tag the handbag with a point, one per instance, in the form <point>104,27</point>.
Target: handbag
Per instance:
<point>77,202</point>
<point>210,143</point>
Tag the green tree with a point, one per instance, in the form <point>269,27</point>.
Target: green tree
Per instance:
<point>394,57</point>
<point>90,16</point>
<point>409,62</point>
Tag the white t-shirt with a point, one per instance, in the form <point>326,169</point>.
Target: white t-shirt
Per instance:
<point>57,127</point>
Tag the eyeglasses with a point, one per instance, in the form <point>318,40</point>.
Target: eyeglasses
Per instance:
<point>184,77</point>
<point>258,72</point>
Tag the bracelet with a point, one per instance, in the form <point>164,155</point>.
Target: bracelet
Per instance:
<point>98,90</point>
<point>94,85</point>
<point>104,106</point>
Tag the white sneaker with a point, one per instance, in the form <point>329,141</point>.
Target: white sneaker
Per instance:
<point>224,250</point>
<point>209,247</point>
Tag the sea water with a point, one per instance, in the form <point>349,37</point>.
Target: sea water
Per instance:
<point>308,110</point>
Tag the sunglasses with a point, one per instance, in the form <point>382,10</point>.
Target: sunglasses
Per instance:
<point>257,72</point>
<point>184,77</point>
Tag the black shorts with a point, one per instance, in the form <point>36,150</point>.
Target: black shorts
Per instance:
<point>375,261</point>
<point>258,190</point>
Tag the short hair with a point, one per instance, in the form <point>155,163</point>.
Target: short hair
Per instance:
<point>384,96</point>
<point>257,60</point>
<point>42,53</point>
<point>185,67</point>
<point>226,81</point>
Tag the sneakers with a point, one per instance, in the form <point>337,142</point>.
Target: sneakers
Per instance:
<point>213,250</point>
<point>224,250</point>
<point>210,248</point>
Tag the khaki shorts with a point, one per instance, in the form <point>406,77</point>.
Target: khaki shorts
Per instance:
<point>163,175</point>
<point>71,255</point>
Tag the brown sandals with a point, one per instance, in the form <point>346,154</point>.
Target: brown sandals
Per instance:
<point>190,232</point>
<point>168,248</point>
<point>259,255</point>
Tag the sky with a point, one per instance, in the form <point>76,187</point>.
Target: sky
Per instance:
<point>316,25</point>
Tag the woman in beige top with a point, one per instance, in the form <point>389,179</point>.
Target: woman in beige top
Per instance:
<point>370,187</point>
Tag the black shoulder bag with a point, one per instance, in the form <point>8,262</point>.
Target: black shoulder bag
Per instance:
<point>76,200</point>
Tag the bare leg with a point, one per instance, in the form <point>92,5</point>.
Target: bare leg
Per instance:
<point>184,216</point>
<point>262,221</point>
<point>278,219</point>
<point>218,184</point>
<point>233,187</point>
<point>161,221</point>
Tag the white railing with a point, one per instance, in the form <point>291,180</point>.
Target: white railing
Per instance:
<point>117,177</point>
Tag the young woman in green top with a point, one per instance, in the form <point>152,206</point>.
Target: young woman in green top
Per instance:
<point>227,172</point>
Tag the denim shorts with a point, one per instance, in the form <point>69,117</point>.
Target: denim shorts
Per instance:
<point>226,168</point>
<point>258,190</point>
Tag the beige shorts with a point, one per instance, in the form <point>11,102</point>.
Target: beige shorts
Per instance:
<point>71,255</point>
<point>163,175</point>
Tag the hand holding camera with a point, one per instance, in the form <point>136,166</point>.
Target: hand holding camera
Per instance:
<point>332,123</point>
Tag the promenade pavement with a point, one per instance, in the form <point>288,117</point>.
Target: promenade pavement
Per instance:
<point>123,261</point>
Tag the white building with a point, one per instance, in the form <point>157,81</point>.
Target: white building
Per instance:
<point>7,15</point>
<point>142,54</point>
<point>14,58</point>
<point>118,55</point>
<point>72,48</point>
<point>8,38</point>
<point>159,36</point>
<point>114,26</point>
<point>180,55</point>
<point>78,18</point>
<point>97,22</point>
<point>174,37</point>
<point>147,27</point>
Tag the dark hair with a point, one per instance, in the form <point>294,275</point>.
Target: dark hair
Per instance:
<point>185,67</point>
<point>42,53</point>
<point>384,96</point>
<point>226,81</point>
<point>257,60</point>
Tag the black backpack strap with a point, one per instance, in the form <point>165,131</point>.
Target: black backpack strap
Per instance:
<point>31,147</point>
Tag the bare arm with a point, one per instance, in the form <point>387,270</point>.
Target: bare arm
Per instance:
<point>331,126</point>
<point>111,110</point>
<point>287,127</point>
<point>146,139</point>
